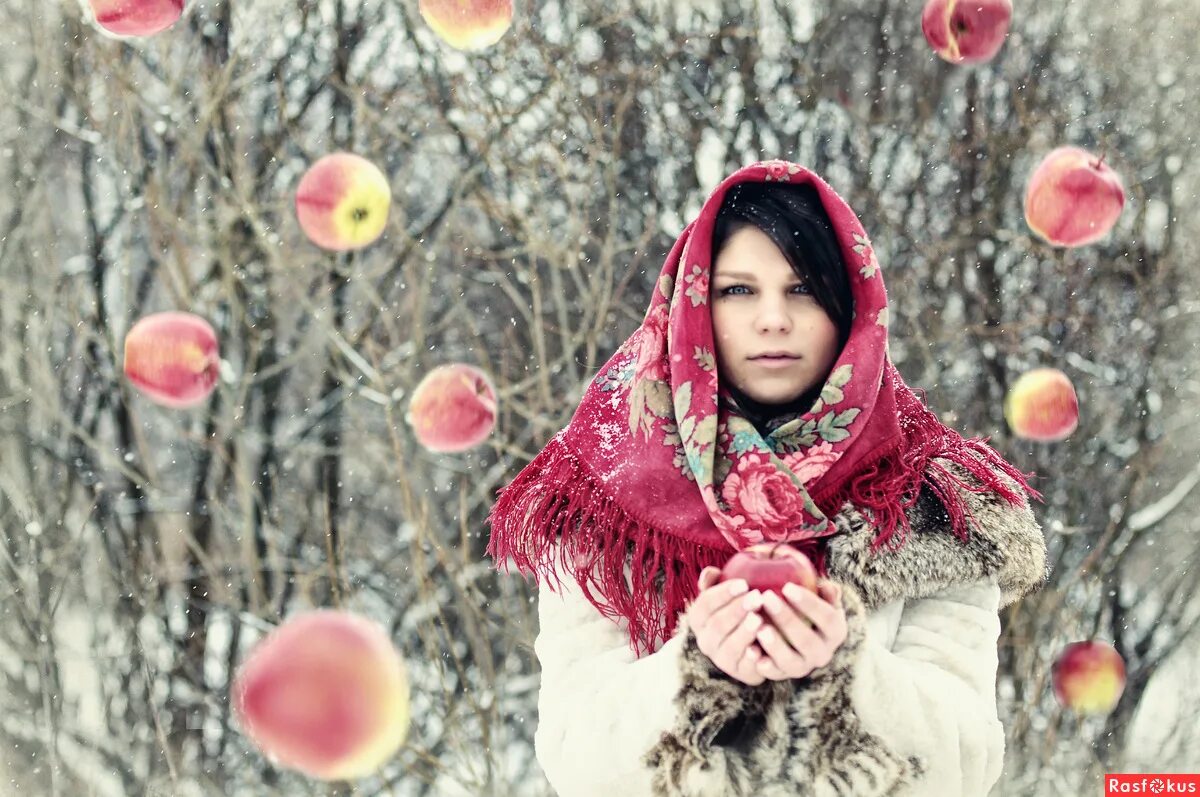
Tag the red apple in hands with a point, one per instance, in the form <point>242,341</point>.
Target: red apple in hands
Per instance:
<point>1089,677</point>
<point>769,566</point>
<point>326,693</point>
<point>1042,406</point>
<point>966,31</point>
<point>1073,198</point>
<point>453,408</point>
<point>342,202</point>
<point>172,358</point>
<point>468,24</point>
<point>136,17</point>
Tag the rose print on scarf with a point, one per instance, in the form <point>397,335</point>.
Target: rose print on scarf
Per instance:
<point>652,341</point>
<point>697,282</point>
<point>867,252</point>
<point>811,463</point>
<point>780,171</point>
<point>764,496</point>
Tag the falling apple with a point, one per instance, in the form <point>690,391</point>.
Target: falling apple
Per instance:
<point>769,566</point>
<point>1089,677</point>
<point>172,358</point>
<point>342,202</point>
<point>1073,198</point>
<point>453,408</point>
<point>136,17</point>
<point>966,31</point>
<point>1042,406</point>
<point>468,24</point>
<point>326,693</point>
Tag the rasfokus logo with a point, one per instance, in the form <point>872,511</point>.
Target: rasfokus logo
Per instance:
<point>1146,783</point>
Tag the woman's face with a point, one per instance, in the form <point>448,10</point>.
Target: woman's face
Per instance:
<point>760,307</point>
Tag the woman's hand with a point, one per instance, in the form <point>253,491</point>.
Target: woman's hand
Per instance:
<point>804,631</point>
<point>724,618</point>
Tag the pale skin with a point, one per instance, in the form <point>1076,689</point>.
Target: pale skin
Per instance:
<point>760,305</point>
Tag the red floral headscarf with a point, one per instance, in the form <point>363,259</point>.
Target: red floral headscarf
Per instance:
<point>658,474</point>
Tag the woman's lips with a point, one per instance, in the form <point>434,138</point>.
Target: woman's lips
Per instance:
<point>775,362</point>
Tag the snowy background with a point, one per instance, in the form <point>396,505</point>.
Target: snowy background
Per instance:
<point>536,189</point>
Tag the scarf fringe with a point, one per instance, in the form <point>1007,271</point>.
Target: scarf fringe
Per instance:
<point>887,488</point>
<point>555,517</point>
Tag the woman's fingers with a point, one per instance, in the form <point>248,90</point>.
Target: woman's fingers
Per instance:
<point>782,660</point>
<point>712,598</point>
<point>824,616</point>
<point>747,670</point>
<point>791,624</point>
<point>727,618</point>
<point>734,644</point>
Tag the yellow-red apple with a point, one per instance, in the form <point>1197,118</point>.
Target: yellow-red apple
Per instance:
<point>1073,198</point>
<point>453,408</point>
<point>1042,406</point>
<point>136,17</point>
<point>1089,677</point>
<point>769,566</point>
<point>325,693</point>
<point>468,24</point>
<point>342,202</point>
<point>172,358</point>
<point>966,31</point>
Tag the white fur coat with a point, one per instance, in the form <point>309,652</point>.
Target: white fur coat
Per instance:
<point>907,706</point>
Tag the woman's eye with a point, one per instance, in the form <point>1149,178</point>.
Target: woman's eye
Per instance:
<point>742,290</point>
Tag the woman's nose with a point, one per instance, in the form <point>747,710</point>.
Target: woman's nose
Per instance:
<point>772,316</point>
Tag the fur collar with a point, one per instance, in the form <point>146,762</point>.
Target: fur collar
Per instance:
<point>1005,542</point>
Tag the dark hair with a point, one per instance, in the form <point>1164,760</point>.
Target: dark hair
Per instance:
<point>793,217</point>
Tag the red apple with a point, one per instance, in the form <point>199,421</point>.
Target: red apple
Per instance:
<point>966,31</point>
<point>136,17</point>
<point>1042,406</point>
<point>172,358</point>
<point>1089,677</point>
<point>1073,198</point>
<point>325,693</point>
<point>453,408</point>
<point>468,24</point>
<point>342,202</point>
<point>771,565</point>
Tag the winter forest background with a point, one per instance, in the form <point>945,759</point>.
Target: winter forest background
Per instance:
<point>536,189</point>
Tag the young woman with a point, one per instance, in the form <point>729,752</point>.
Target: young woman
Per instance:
<point>757,403</point>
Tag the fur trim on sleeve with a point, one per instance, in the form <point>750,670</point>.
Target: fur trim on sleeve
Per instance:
<point>777,738</point>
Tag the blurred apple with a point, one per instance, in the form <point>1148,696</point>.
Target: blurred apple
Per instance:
<point>172,358</point>
<point>1089,677</point>
<point>966,31</point>
<point>1073,198</point>
<point>325,693</point>
<point>468,24</point>
<point>769,566</point>
<point>1042,406</point>
<point>136,17</point>
<point>453,408</point>
<point>342,202</point>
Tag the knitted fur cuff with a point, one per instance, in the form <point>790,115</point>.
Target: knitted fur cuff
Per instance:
<point>779,738</point>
